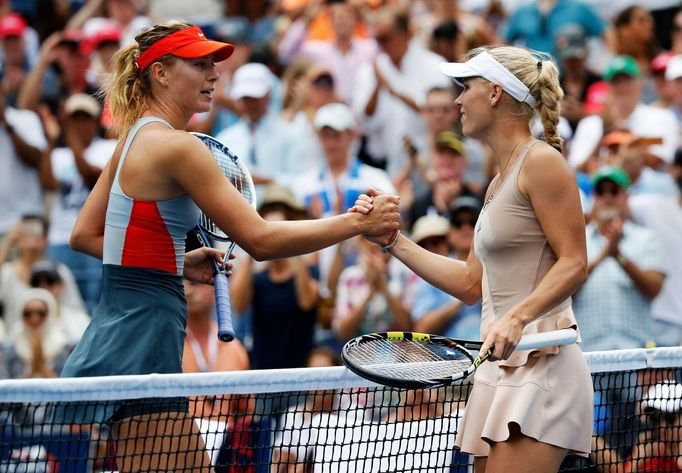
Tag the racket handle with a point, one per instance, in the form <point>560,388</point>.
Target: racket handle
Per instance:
<point>223,308</point>
<point>565,336</point>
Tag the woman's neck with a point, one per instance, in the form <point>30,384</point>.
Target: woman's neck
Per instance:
<point>176,118</point>
<point>505,140</point>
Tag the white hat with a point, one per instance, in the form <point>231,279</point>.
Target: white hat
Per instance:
<point>82,103</point>
<point>430,226</point>
<point>486,66</point>
<point>335,115</point>
<point>674,69</point>
<point>664,397</point>
<point>251,80</point>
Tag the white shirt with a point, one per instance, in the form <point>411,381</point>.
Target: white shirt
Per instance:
<point>664,216</point>
<point>72,192</point>
<point>20,190</point>
<point>393,119</point>
<point>271,150</point>
<point>645,120</point>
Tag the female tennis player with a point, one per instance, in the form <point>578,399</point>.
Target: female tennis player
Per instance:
<point>136,217</point>
<point>528,409</point>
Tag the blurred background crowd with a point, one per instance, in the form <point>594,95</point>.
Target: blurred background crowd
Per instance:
<point>324,99</point>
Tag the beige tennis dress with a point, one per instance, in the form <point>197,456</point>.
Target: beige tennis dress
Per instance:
<point>547,393</point>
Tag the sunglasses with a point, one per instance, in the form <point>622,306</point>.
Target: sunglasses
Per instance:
<point>324,80</point>
<point>459,223</point>
<point>657,418</point>
<point>613,191</point>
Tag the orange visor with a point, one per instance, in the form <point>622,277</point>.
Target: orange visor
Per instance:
<point>187,43</point>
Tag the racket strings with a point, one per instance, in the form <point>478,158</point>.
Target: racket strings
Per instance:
<point>407,359</point>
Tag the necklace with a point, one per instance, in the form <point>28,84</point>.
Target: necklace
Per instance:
<point>500,179</point>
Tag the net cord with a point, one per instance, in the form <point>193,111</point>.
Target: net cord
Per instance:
<point>266,381</point>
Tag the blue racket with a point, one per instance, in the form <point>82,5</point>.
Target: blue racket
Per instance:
<point>208,232</point>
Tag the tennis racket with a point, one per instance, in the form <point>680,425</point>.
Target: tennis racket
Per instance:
<point>208,232</point>
<point>418,360</point>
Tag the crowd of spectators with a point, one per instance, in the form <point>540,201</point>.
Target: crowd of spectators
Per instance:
<point>323,100</point>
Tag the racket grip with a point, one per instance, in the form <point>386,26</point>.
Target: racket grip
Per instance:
<point>565,336</point>
<point>223,308</point>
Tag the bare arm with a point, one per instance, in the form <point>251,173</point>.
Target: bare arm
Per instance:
<point>649,283</point>
<point>29,94</point>
<point>90,9</point>
<point>88,172</point>
<point>348,325</point>
<point>195,170</point>
<point>306,286</point>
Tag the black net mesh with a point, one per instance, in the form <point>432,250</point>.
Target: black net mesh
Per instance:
<point>368,429</point>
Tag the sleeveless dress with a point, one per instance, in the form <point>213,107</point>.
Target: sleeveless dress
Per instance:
<point>138,327</point>
<point>547,393</point>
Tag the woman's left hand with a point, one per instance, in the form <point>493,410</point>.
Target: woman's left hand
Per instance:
<point>198,265</point>
<point>502,337</point>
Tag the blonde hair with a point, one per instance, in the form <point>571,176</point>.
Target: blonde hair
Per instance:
<point>541,75</point>
<point>127,90</point>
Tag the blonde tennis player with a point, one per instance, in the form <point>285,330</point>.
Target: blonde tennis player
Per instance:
<point>530,408</point>
<point>136,217</point>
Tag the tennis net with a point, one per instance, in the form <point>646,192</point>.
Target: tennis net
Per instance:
<point>311,420</point>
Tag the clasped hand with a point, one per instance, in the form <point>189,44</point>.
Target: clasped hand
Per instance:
<point>382,214</point>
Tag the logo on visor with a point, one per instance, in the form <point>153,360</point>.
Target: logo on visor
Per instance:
<point>200,34</point>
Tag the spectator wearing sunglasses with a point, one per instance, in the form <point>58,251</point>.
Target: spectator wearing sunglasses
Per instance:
<point>436,311</point>
<point>626,271</point>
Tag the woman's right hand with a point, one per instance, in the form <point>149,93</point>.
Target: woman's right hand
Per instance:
<point>382,215</point>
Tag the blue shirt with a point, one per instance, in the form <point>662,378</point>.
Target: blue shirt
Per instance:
<point>530,28</point>
<point>467,323</point>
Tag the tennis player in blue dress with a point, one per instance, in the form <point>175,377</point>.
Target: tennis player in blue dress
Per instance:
<point>135,219</point>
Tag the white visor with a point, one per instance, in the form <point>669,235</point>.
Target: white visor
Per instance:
<point>486,66</point>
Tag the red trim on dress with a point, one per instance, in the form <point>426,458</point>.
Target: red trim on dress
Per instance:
<point>148,243</point>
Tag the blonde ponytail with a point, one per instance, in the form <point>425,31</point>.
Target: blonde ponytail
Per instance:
<point>549,103</point>
<point>128,91</point>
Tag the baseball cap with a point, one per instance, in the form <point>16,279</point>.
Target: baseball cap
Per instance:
<point>674,69</point>
<point>611,173</point>
<point>278,194</point>
<point>334,115</point>
<point>570,42</point>
<point>186,43</point>
<point>430,226</point>
<point>82,103</point>
<point>12,25</point>
<point>595,97</point>
<point>660,62</point>
<point>621,65</point>
<point>251,80</point>
<point>450,141</point>
<point>465,202</point>
<point>664,397</point>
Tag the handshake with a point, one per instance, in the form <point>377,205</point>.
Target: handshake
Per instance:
<point>381,217</point>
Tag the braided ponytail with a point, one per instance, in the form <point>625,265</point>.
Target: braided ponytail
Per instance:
<point>549,104</point>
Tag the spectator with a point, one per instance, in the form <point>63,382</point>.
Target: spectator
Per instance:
<point>59,72</point>
<point>102,44</point>
<point>15,64</point>
<point>624,110</point>
<point>676,37</point>
<point>390,92</point>
<point>71,321</point>
<point>634,36</point>
<point>613,308</point>
<point>263,140</point>
<point>71,171</point>
<point>283,296</point>
<point>21,141</point>
<point>127,14</point>
<point>446,41</point>
<point>342,55</point>
<point>535,24</point>
<point>332,187</point>
<point>658,66</point>
<point>435,311</point>
<point>203,352</point>
<point>446,175</point>
<point>370,298</point>
<point>37,348</point>
<point>571,49</point>
<point>664,216</point>
<point>28,238</point>
<point>673,76</point>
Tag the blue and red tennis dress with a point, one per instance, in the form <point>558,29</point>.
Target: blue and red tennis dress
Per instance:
<point>138,326</point>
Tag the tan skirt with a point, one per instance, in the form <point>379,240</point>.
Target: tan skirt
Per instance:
<point>550,398</point>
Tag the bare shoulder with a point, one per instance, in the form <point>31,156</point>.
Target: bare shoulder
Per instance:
<point>545,170</point>
<point>170,145</point>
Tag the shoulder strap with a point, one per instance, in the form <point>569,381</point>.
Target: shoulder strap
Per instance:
<point>522,158</point>
<point>129,140</point>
